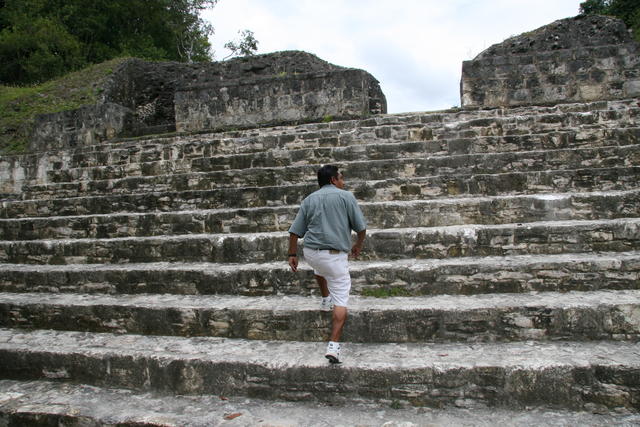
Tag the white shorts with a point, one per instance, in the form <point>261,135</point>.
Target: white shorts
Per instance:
<point>335,269</point>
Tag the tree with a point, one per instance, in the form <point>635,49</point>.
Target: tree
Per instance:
<point>192,32</point>
<point>41,39</point>
<point>594,7</point>
<point>246,46</point>
<point>627,10</point>
<point>37,49</point>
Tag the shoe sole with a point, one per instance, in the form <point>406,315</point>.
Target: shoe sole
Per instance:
<point>332,359</point>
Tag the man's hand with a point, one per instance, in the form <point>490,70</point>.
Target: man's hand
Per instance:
<point>355,250</point>
<point>357,247</point>
<point>293,263</point>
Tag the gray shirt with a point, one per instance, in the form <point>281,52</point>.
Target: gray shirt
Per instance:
<point>326,218</point>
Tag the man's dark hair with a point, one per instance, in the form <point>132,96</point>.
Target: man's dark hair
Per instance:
<point>325,173</point>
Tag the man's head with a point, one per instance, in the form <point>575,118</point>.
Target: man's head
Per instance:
<point>328,174</point>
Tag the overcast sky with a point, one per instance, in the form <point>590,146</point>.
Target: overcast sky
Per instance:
<point>415,48</point>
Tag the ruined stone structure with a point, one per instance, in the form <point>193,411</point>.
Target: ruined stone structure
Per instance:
<point>501,273</point>
<point>150,98</point>
<point>579,59</point>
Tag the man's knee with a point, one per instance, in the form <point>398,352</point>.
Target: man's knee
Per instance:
<point>339,313</point>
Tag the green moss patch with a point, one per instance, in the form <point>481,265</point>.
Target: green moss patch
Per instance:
<point>20,105</point>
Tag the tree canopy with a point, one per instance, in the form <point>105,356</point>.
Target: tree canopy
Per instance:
<point>42,39</point>
<point>627,10</point>
<point>246,46</point>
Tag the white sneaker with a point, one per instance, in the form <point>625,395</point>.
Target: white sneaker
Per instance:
<point>326,304</point>
<point>333,352</point>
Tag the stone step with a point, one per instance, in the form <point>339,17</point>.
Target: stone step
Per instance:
<point>574,375</point>
<point>281,157</point>
<point>339,146</point>
<point>16,170</point>
<point>218,198</point>
<point>410,277</point>
<point>441,124</point>
<point>391,189</point>
<point>419,213</point>
<point>57,403</point>
<point>493,163</point>
<point>552,237</point>
<point>548,181</point>
<point>398,127</point>
<point>597,315</point>
<point>514,124</point>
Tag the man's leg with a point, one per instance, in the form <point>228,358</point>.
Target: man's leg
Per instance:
<point>338,320</point>
<point>324,288</point>
<point>325,304</point>
<point>339,283</point>
<point>332,272</point>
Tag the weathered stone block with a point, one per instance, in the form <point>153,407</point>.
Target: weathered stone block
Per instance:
<point>571,60</point>
<point>278,99</point>
<point>631,88</point>
<point>140,97</point>
<point>85,126</point>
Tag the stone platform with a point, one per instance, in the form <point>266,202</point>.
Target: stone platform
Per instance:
<point>47,403</point>
<point>500,276</point>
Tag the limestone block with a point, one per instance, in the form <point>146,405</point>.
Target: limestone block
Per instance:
<point>577,59</point>
<point>84,126</point>
<point>282,98</point>
<point>11,176</point>
<point>590,92</point>
<point>631,88</point>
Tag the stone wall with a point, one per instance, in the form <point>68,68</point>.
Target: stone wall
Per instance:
<point>578,59</point>
<point>84,126</point>
<point>283,98</point>
<point>147,88</point>
<point>144,97</point>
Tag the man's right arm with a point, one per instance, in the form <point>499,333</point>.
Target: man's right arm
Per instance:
<point>357,222</point>
<point>297,230</point>
<point>357,247</point>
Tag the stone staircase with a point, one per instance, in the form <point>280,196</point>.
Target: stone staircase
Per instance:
<point>501,268</point>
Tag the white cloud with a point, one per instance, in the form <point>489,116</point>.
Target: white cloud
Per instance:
<point>415,48</point>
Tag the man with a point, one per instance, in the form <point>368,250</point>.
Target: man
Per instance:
<point>325,220</point>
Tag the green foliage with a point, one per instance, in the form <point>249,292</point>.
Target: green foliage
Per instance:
<point>395,405</point>
<point>41,39</point>
<point>627,10</point>
<point>246,46</point>
<point>41,49</point>
<point>20,105</point>
<point>593,7</point>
